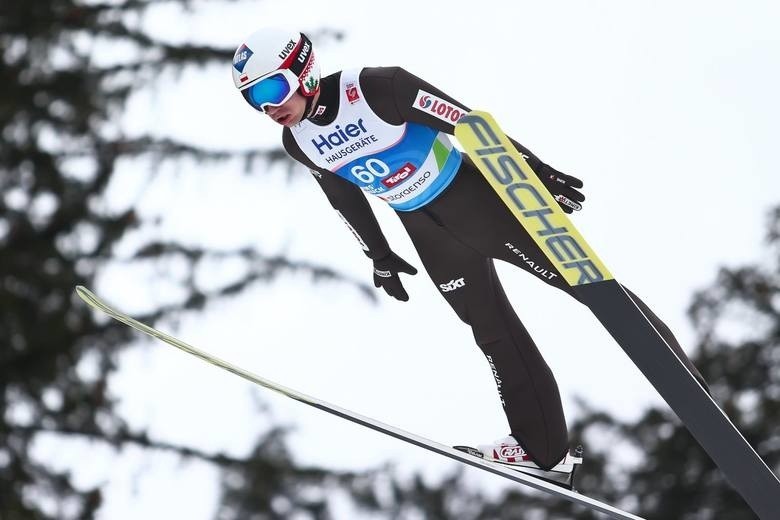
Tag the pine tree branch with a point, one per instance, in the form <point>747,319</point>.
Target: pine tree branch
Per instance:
<point>125,437</point>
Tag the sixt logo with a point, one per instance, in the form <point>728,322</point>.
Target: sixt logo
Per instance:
<point>339,137</point>
<point>530,202</point>
<point>452,285</point>
<point>241,57</point>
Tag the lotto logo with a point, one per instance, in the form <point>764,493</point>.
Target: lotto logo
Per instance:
<point>437,107</point>
<point>452,285</point>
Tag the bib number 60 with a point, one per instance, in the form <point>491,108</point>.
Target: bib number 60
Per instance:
<point>372,169</point>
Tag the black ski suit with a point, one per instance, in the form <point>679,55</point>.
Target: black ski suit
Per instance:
<point>457,234</point>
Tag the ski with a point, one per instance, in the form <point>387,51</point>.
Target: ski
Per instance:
<point>537,211</point>
<point>553,489</point>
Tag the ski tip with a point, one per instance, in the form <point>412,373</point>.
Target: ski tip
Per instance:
<point>82,291</point>
<point>87,296</point>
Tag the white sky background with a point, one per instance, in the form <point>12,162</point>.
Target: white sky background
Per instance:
<point>667,111</point>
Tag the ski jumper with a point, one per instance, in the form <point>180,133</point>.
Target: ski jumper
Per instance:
<point>385,132</point>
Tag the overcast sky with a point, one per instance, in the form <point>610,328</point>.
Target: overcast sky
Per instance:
<point>666,110</point>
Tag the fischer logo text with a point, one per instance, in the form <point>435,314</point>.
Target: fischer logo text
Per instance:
<point>538,212</point>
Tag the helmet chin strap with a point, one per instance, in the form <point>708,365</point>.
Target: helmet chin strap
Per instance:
<point>310,102</point>
<point>309,106</point>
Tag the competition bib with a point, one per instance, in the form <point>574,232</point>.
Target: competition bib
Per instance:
<point>406,165</point>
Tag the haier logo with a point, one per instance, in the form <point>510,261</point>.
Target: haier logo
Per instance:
<point>437,107</point>
<point>241,57</point>
<point>287,49</point>
<point>339,137</point>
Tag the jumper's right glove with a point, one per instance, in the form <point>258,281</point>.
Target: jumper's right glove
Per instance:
<point>386,275</point>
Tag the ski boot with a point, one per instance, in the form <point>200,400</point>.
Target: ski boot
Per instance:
<point>509,453</point>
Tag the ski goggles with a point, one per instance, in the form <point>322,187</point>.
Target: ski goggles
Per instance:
<point>273,90</point>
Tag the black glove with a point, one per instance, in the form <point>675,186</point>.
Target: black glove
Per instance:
<point>386,275</point>
<point>563,187</point>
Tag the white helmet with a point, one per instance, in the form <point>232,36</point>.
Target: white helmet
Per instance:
<point>284,58</point>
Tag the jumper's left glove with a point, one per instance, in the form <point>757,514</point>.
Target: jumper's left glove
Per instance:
<point>563,187</point>
<point>386,275</point>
